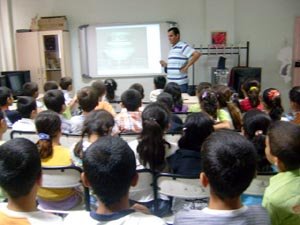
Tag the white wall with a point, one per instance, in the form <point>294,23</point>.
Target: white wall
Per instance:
<point>267,24</point>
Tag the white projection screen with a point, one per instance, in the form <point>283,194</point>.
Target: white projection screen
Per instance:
<point>123,50</point>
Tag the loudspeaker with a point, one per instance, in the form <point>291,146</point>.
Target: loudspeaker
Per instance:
<point>239,75</point>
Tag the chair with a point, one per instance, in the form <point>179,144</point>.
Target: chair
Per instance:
<point>64,177</point>
<point>173,137</point>
<point>68,140</point>
<point>30,135</point>
<point>259,184</point>
<point>129,136</point>
<point>145,184</point>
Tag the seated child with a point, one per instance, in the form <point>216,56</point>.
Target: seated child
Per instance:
<point>6,100</point>
<point>199,89</point>
<point>31,89</point>
<point>3,127</point>
<point>187,159</point>
<point>111,87</point>
<point>97,124</point>
<point>100,89</point>
<point>159,85</point>
<point>66,87</point>
<point>251,89</point>
<point>20,178</point>
<point>175,121</point>
<point>87,100</point>
<point>48,126</point>
<point>109,169</point>
<point>272,103</point>
<point>50,85</point>
<point>294,96</point>
<point>139,88</point>
<point>282,196</point>
<point>174,89</point>
<point>130,118</point>
<point>54,100</point>
<point>27,108</point>
<point>229,165</point>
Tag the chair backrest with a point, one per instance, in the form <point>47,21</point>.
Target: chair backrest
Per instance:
<point>69,140</point>
<point>64,177</point>
<point>31,135</point>
<point>173,137</point>
<point>129,136</point>
<point>259,184</point>
<point>180,186</point>
<point>145,184</point>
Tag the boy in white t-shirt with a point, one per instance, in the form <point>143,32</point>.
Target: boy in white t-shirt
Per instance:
<point>229,165</point>
<point>20,176</point>
<point>110,169</point>
<point>159,85</point>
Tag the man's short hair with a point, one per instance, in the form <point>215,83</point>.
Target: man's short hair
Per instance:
<point>229,162</point>
<point>54,100</point>
<point>285,143</point>
<point>20,167</point>
<point>26,105</point>
<point>109,165</point>
<point>294,95</point>
<point>131,99</point>
<point>175,30</point>
<point>30,88</point>
<point>5,93</point>
<point>99,87</point>
<point>65,82</point>
<point>87,99</point>
<point>160,82</point>
<point>50,85</point>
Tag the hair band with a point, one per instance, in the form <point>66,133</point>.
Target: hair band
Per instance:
<point>258,132</point>
<point>43,136</point>
<point>273,94</point>
<point>253,88</point>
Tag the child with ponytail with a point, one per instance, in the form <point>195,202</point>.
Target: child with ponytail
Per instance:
<point>48,126</point>
<point>272,103</point>
<point>251,89</point>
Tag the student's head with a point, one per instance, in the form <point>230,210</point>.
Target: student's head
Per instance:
<point>251,89</point>
<point>48,127</point>
<point>54,100</point>
<point>50,85</point>
<point>111,87</point>
<point>100,88</point>
<point>65,83</point>
<point>139,88</point>
<point>173,35</point>
<point>131,99</point>
<point>283,145</point>
<point>165,99</point>
<point>197,127</point>
<point>272,102</point>
<point>110,169</point>
<point>228,164</point>
<point>87,99</point>
<point>159,82</point>
<point>31,89</point>
<point>255,128</point>
<point>294,96</point>
<point>98,123</point>
<point>20,167</point>
<point>203,86</point>
<point>174,89</point>
<point>209,102</point>
<point>6,97</point>
<point>151,148</point>
<point>26,106</point>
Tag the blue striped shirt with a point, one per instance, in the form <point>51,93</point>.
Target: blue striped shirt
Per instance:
<point>178,57</point>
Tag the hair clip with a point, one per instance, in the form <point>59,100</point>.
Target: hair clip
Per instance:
<point>273,94</point>
<point>253,88</point>
<point>258,132</point>
<point>43,136</point>
<point>152,119</point>
<point>204,95</point>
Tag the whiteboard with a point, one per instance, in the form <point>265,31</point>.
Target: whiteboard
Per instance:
<point>123,50</point>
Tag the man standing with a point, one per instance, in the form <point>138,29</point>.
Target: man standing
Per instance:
<point>180,58</point>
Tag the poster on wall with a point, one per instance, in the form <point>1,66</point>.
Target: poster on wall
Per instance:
<point>219,37</point>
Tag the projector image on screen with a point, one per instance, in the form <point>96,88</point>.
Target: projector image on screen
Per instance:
<point>123,50</point>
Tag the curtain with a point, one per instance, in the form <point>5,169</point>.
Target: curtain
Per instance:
<point>7,61</point>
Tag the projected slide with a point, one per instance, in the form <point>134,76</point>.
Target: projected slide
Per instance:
<point>128,49</point>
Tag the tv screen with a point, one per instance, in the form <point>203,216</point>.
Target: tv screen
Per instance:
<point>15,80</point>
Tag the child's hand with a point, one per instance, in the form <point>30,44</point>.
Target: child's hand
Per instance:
<point>141,208</point>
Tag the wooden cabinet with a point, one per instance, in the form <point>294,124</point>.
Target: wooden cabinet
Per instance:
<point>45,53</point>
<point>296,56</point>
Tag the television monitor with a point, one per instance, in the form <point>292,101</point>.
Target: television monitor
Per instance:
<point>240,74</point>
<point>15,80</point>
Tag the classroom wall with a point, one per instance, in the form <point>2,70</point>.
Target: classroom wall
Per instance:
<point>267,24</point>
